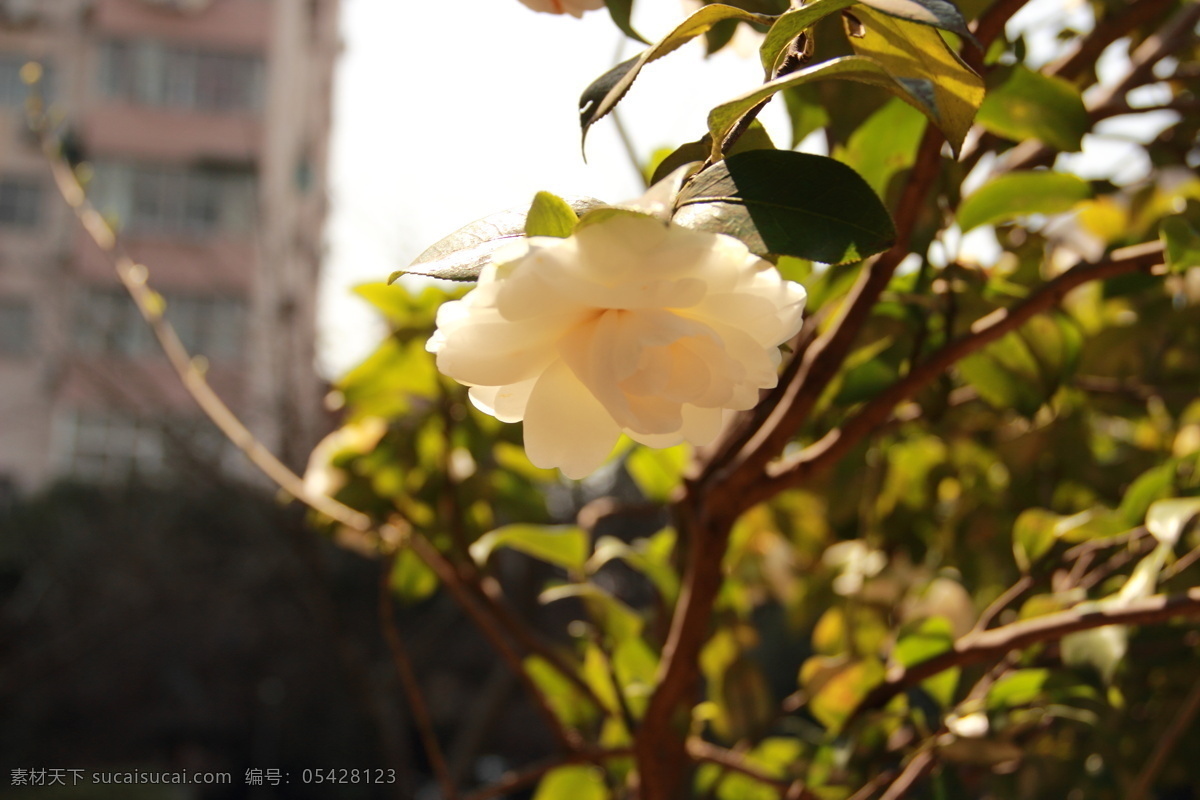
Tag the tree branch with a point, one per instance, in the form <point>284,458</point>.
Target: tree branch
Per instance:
<point>703,751</point>
<point>408,680</point>
<point>980,646</point>
<point>835,444</point>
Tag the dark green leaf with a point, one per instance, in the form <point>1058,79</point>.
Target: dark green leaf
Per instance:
<point>620,11</point>
<point>462,255</point>
<point>1157,483</point>
<point>607,90</point>
<point>1181,244</point>
<point>1006,375</point>
<point>754,138</point>
<point>1019,194</point>
<point>550,215</point>
<point>785,203</point>
<point>912,52</point>
<point>936,13</point>
<point>791,25</point>
<point>918,92</point>
<point>805,111</point>
<point>1030,105</point>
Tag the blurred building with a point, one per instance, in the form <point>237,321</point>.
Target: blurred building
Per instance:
<point>204,125</point>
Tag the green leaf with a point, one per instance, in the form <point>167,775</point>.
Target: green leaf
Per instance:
<point>618,621</point>
<point>754,138</point>
<point>606,91</point>
<point>565,698</point>
<point>620,11</point>
<point>1030,105</point>
<point>1166,519</point>
<point>1019,194</point>
<point>805,112</point>
<point>658,473</point>
<point>462,255</point>
<point>934,637</point>
<point>911,52</point>
<point>884,145</point>
<point>550,215</point>
<point>936,13</point>
<point>1099,648</point>
<point>1156,483</point>
<point>792,24</point>
<point>1181,244</point>
<point>1006,375</point>
<point>746,700</point>
<point>562,545</point>
<point>920,93</point>
<point>837,690</point>
<point>411,580</point>
<point>572,783</point>
<point>1034,533</point>
<point>785,203</point>
<point>1018,688</point>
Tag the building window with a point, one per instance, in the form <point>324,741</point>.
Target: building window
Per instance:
<point>107,447</point>
<point>16,327</point>
<point>115,447</point>
<point>107,321</point>
<point>176,201</point>
<point>153,74</point>
<point>13,89</point>
<point>20,202</point>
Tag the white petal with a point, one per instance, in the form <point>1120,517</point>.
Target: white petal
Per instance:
<point>505,403</point>
<point>565,426</point>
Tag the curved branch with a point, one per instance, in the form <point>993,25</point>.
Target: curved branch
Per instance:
<point>835,444</point>
<point>980,646</point>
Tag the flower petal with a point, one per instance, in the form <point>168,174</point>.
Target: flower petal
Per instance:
<point>566,426</point>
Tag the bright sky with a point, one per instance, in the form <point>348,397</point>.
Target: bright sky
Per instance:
<point>443,117</point>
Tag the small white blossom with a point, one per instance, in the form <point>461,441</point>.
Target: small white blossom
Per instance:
<point>573,7</point>
<point>628,326</point>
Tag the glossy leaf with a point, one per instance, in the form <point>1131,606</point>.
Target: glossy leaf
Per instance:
<point>1019,194</point>
<point>620,11</point>
<point>1181,244</point>
<point>790,25</point>
<point>462,255</point>
<point>884,145</point>
<point>918,56</point>
<point>786,203</point>
<point>1030,105</point>
<point>550,215</point>
<point>935,13</point>
<point>1166,519</point>
<point>563,546</point>
<point>605,92</point>
<point>918,92</point>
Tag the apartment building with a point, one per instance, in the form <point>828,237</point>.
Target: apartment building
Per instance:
<point>202,127</point>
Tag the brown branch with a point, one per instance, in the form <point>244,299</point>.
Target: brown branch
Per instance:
<point>835,444</point>
<point>1162,749</point>
<point>1086,50</point>
<point>703,751</point>
<point>988,27</point>
<point>408,681</point>
<point>981,646</point>
<point>1000,603</point>
<point>920,766</point>
<point>478,611</point>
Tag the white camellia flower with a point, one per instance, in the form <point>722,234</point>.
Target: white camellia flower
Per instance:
<point>628,326</point>
<point>573,7</point>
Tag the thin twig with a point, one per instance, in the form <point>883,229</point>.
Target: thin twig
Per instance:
<point>1166,743</point>
<point>981,646</point>
<point>703,751</point>
<point>1000,603</point>
<point>920,766</point>
<point>408,680</point>
<point>835,444</point>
